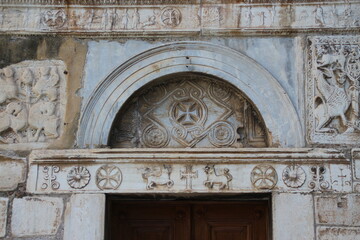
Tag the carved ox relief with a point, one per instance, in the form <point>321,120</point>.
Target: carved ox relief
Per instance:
<point>333,89</point>
<point>189,111</point>
<point>220,178</point>
<point>30,106</point>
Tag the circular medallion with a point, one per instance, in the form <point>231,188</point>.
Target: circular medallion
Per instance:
<point>171,17</point>
<point>294,176</point>
<point>264,177</point>
<point>108,177</point>
<point>222,134</point>
<point>78,177</point>
<point>155,137</point>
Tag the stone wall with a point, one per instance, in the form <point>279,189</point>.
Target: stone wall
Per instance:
<point>67,69</point>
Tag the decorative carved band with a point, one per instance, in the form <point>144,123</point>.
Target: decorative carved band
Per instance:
<point>189,170</point>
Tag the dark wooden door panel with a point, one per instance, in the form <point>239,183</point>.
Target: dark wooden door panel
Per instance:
<point>171,220</point>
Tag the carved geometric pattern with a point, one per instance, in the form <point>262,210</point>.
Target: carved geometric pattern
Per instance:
<point>264,177</point>
<point>188,111</point>
<point>333,90</point>
<point>108,177</point>
<point>318,181</point>
<point>30,104</point>
<point>171,16</point>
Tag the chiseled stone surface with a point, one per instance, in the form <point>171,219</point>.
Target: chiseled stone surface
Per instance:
<point>338,209</point>
<point>3,215</point>
<point>85,211</point>
<point>293,216</point>
<point>36,216</point>
<point>12,172</point>
<point>338,233</point>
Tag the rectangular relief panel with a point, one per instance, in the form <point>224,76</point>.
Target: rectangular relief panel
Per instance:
<point>188,170</point>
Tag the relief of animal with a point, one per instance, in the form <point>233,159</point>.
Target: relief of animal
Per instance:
<point>213,178</point>
<point>14,117</point>
<point>335,101</point>
<point>46,85</point>
<point>157,176</point>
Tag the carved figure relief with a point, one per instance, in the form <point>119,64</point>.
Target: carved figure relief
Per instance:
<point>220,178</point>
<point>50,177</point>
<point>264,177</point>
<point>157,176</point>
<point>189,111</point>
<point>318,181</point>
<point>108,177</point>
<point>294,176</point>
<point>78,177</point>
<point>334,89</point>
<point>30,109</point>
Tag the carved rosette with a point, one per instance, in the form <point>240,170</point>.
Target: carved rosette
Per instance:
<point>78,177</point>
<point>294,176</point>
<point>108,177</point>
<point>264,177</point>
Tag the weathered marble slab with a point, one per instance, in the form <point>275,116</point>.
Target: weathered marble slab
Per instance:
<point>188,170</point>
<point>3,215</point>
<point>175,17</point>
<point>333,90</point>
<point>32,104</point>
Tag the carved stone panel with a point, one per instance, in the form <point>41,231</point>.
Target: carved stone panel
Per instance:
<point>333,90</point>
<point>189,111</point>
<point>31,103</point>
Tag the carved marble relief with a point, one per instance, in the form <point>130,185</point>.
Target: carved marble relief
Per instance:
<point>333,90</point>
<point>264,177</point>
<point>31,107</point>
<point>217,177</point>
<point>78,177</point>
<point>318,181</point>
<point>189,111</point>
<point>294,176</point>
<point>157,176</point>
<point>108,177</point>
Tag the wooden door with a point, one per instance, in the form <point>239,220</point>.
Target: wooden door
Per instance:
<point>173,220</point>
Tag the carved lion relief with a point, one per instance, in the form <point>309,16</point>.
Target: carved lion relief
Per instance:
<point>333,90</point>
<point>30,102</point>
<point>189,111</point>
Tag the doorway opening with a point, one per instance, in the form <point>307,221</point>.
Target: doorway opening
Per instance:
<point>196,218</point>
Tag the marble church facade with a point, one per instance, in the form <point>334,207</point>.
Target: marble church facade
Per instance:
<point>139,98</point>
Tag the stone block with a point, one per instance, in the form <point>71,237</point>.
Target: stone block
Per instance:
<point>85,211</point>
<point>338,209</point>
<point>12,172</point>
<point>293,212</point>
<point>336,233</point>
<point>3,216</point>
<point>36,216</point>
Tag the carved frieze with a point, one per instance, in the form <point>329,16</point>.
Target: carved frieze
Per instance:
<point>190,170</point>
<point>138,17</point>
<point>333,90</point>
<point>189,111</point>
<point>31,103</point>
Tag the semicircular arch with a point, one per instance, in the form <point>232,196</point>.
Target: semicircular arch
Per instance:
<point>271,100</point>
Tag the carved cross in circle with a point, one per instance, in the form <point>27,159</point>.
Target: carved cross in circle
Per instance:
<point>188,175</point>
<point>188,113</point>
<point>108,177</point>
<point>171,17</point>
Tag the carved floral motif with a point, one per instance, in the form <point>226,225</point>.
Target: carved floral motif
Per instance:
<point>264,177</point>
<point>157,176</point>
<point>50,177</point>
<point>333,89</point>
<point>30,108</point>
<point>318,180</point>
<point>294,176</point>
<point>78,177</point>
<point>214,177</point>
<point>189,111</point>
<point>108,177</point>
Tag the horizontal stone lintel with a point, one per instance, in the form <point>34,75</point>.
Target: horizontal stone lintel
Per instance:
<point>200,155</point>
<point>188,170</point>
